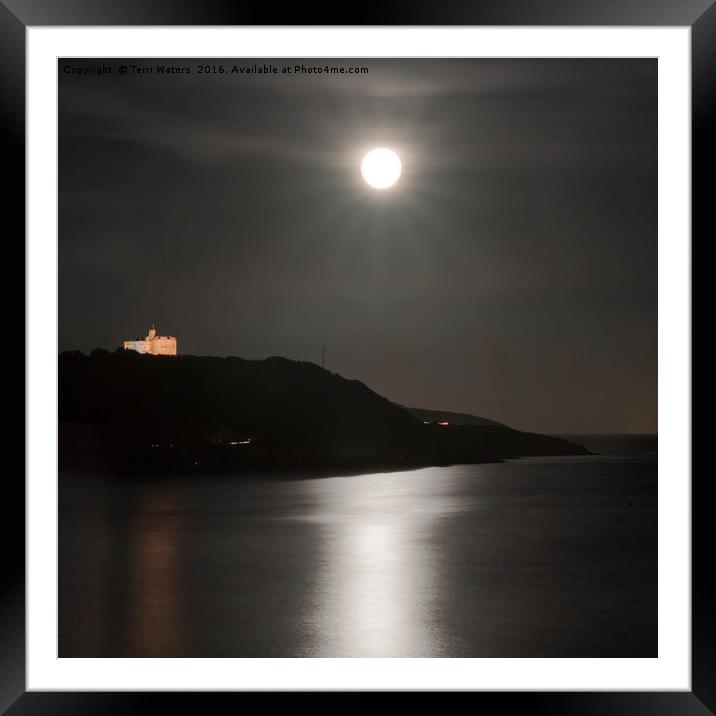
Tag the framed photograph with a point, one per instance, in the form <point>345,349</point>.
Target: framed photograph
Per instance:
<point>358,356</point>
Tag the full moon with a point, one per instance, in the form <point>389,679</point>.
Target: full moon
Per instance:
<point>381,168</point>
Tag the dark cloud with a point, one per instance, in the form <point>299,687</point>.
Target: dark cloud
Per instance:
<point>511,273</point>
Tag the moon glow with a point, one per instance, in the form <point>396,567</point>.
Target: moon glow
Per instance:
<point>381,168</point>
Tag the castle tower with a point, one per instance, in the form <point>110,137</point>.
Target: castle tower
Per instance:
<point>153,344</point>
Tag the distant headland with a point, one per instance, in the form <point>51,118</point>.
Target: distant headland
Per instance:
<point>148,413</point>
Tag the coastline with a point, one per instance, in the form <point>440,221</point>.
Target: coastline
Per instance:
<point>94,451</point>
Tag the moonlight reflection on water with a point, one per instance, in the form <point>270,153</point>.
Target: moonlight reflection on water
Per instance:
<point>550,557</point>
<point>377,576</point>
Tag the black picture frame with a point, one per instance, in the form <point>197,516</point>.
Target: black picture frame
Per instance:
<point>16,15</point>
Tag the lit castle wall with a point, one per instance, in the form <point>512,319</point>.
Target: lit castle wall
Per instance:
<point>153,344</point>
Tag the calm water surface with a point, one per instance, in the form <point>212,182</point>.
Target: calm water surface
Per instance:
<point>535,557</point>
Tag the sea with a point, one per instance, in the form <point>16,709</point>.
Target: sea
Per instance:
<point>533,557</point>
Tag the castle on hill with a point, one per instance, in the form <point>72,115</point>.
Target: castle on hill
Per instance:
<point>153,344</point>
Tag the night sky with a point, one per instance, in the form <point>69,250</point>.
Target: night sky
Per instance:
<point>510,273</point>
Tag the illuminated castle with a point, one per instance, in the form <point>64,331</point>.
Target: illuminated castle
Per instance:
<point>153,344</point>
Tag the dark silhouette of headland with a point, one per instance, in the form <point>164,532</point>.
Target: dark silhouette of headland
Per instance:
<point>142,413</point>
